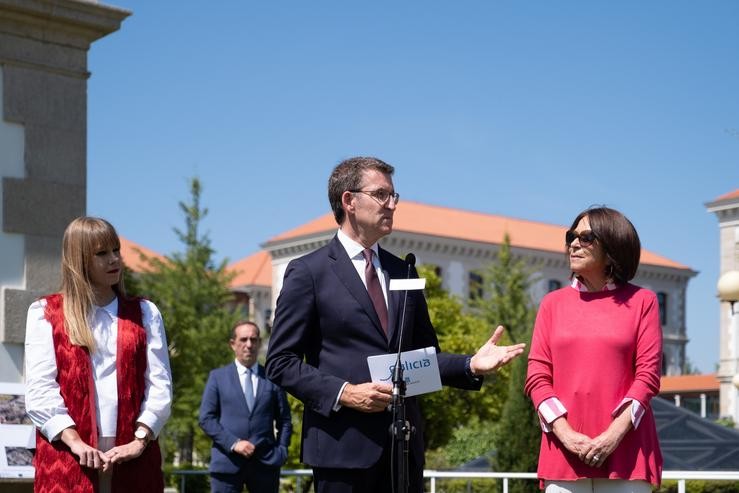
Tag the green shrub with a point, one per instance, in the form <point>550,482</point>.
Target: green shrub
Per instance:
<point>194,483</point>
<point>700,486</point>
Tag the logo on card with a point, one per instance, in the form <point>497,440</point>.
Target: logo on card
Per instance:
<point>408,365</point>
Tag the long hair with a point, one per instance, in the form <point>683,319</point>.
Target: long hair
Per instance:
<point>82,239</point>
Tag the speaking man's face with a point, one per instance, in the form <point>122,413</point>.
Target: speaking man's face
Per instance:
<point>373,216</point>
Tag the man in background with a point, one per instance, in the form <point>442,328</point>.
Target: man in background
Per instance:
<point>240,411</point>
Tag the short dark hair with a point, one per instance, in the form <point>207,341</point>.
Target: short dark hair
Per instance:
<point>347,175</point>
<point>244,322</point>
<point>618,238</point>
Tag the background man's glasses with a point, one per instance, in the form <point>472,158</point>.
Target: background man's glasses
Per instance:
<point>382,196</point>
<point>586,237</point>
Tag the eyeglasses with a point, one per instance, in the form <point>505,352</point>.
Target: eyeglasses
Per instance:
<point>381,195</point>
<point>586,237</point>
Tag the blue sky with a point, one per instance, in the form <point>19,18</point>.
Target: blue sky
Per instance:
<point>534,110</point>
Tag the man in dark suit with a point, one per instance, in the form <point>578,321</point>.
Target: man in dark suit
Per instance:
<point>333,312</point>
<point>240,411</point>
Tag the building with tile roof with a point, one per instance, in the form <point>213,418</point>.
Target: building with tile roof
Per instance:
<point>134,255</point>
<point>726,209</point>
<point>697,393</point>
<point>460,242</point>
<point>253,287</point>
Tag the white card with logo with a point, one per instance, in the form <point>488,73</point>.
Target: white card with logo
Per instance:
<point>420,370</point>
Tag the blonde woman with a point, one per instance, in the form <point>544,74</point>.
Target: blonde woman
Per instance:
<point>98,383</point>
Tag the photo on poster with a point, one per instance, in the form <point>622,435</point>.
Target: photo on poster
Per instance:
<point>17,434</point>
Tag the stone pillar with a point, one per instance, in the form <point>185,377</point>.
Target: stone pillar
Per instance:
<point>726,209</point>
<point>43,145</point>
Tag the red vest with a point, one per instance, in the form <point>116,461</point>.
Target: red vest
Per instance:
<point>57,469</point>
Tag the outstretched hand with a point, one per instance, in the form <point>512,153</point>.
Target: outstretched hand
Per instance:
<point>490,356</point>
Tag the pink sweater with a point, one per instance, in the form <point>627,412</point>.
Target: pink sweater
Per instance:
<point>592,350</point>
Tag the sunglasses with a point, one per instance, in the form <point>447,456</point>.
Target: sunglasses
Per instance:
<point>586,237</point>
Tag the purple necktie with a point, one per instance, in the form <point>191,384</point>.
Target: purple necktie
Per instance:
<point>374,289</point>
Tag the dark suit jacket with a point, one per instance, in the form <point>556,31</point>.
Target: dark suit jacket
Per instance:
<point>325,327</point>
<point>225,417</point>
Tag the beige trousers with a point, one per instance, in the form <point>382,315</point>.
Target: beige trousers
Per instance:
<point>105,478</point>
<point>597,486</point>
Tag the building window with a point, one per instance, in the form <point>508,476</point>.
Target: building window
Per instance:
<point>662,300</point>
<point>553,285</point>
<point>475,285</point>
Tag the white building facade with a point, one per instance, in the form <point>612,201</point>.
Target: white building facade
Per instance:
<point>726,209</point>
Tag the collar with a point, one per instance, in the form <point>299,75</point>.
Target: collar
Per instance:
<point>242,369</point>
<point>580,286</point>
<point>111,308</point>
<point>354,249</point>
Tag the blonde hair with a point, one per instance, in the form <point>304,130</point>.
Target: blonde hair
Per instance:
<point>82,239</point>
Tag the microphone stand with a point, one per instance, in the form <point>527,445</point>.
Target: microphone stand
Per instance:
<point>400,428</point>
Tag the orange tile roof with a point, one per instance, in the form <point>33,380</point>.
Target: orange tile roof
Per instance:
<point>414,217</point>
<point>254,270</point>
<point>690,383</point>
<point>131,253</point>
<point>728,196</point>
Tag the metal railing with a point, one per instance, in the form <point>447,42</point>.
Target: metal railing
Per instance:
<point>432,475</point>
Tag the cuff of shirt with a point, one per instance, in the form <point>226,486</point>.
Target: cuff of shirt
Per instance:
<point>549,410</point>
<point>54,427</point>
<point>152,421</point>
<point>468,370</point>
<point>637,410</point>
<point>337,404</point>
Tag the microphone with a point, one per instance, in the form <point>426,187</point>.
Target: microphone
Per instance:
<point>410,260</point>
<point>400,428</point>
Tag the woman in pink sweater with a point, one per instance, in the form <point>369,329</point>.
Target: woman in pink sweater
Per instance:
<point>594,365</point>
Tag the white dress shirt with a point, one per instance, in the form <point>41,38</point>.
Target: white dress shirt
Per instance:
<point>252,370</point>
<point>44,403</point>
<point>354,250</point>
<point>243,371</point>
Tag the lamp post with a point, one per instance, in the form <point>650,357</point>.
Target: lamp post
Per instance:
<point>728,291</point>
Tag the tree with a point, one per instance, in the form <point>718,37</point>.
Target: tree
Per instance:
<point>507,302</point>
<point>192,292</point>
<point>458,332</point>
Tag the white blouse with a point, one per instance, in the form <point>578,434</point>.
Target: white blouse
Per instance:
<point>44,403</point>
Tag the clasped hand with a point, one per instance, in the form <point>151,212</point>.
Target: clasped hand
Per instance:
<point>93,458</point>
<point>125,452</point>
<point>245,448</point>
<point>592,451</point>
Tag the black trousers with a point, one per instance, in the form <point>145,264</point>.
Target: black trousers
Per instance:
<point>258,478</point>
<point>376,479</point>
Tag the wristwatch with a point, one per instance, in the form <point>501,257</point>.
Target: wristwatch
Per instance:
<point>142,434</point>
